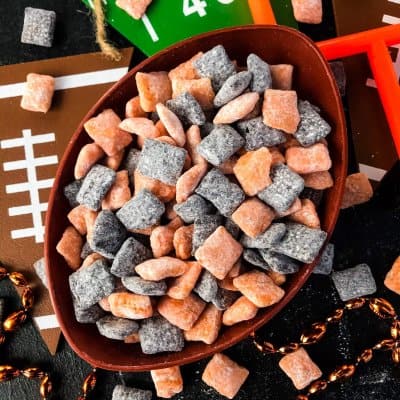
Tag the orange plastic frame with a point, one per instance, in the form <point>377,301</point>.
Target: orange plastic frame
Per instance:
<point>374,43</point>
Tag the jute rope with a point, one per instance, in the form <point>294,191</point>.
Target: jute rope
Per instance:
<point>101,37</point>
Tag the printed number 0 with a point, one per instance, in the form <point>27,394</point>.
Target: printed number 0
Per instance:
<point>197,6</point>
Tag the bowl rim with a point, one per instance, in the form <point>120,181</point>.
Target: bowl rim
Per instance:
<point>306,269</point>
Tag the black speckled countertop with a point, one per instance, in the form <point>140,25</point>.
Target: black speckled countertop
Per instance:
<point>369,234</point>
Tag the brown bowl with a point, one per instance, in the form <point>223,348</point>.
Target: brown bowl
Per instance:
<point>312,79</point>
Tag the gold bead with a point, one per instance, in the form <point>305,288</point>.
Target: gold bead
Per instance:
<point>386,344</point>
<point>3,273</point>
<point>27,298</point>
<point>14,320</point>
<point>395,330</point>
<point>317,386</point>
<point>336,316</point>
<point>290,348</point>
<point>355,303</point>
<point>2,339</point>
<point>89,383</point>
<point>18,279</point>
<point>7,372</point>
<point>33,373</point>
<point>345,371</point>
<point>302,397</point>
<point>313,334</point>
<point>365,356</point>
<point>396,355</point>
<point>382,308</point>
<point>45,387</point>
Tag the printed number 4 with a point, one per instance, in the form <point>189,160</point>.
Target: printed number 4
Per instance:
<point>199,6</point>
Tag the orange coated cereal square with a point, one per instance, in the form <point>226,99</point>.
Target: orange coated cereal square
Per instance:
<point>392,280</point>
<point>357,190</point>
<point>186,70</point>
<point>307,11</point>
<point>168,381</point>
<point>135,8</point>
<point>200,89</point>
<point>38,93</point>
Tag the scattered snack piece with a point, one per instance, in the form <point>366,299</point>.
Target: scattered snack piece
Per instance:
<point>282,76</point>
<point>140,126</point>
<point>241,310</point>
<point>305,160</point>
<point>279,262</point>
<point>354,282</point>
<point>161,268</point>
<point>206,287</point>
<point>133,109</point>
<point>194,207</point>
<point>318,180</point>
<point>253,257</point>
<point>266,239</point>
<point>70,192</point>
<point>193,139</point>
<point>357,190</point>
<point>307,215</point>
<point>188,181</point>
<point>299,367</point>
<point>116,328</point>
<point>38,93</point>
<point>78,215</point>
<point>181,287</point>
<point>277,156</point>
<point>137,285</point>
<point>172,124</point>
<point>40,268</point>
<point>127,393</point>
<point>70,246</point>
<point>90,259</point>
<point>261,72</point>
<point>325,263</point>
<point>114,161</point>
<point>162,191</point>
<point>135,8</point>
<point>224,298</point>
<point>278,278</point>
<point>161,241</point>
<point>224,375</point>
<point>201,89</point>
<point>280,110</point>
<point>38,27</point>
<point>87,157</point>
<point>130,305</point>
<point>233,87</point>
<point>232,228</point>
<point>392,279</point>
<point>188,109</point>
<point>185,70</point>
<point>307,11</point>
<point>119,192</point>
<point>182,242</point>
<point>168,381</point>
<point>203,228</point>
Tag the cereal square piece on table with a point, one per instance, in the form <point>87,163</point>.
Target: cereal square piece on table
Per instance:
<point>137,285</point>
<point>188,109</point>
<point>318,180</point>
<point>91,284</point>
<point>206,287</point>
<point>168,381</point>
<point>253,217</point>
<point>259,288</point>
<point>130,254</point>
<point>253,257</point>
<point>357,190</point>
<point>286,186</point>
<point>203,228</point>
<point>224,298</point>
<point>88,315</point>
<point>307,215</point>
<point>104,130</point>
<point>116,328</point>
<point>38,27</point>
<point>354,282</point>
<point>181,313</point>
<point>299,367</point>
<point>219,253</point>
<point>119,192</point>
<point>161,268</point>
<point>130,305</point>
<point>158,335</point>
<point>241,310</point>
<point>121,392</point>
<point>216,65</point>
<point>266,239</point>
<point>392,279</point>
<point>279,262</point>
<point>142,211</point>
<point>153,88</point>
<point>224,375</point>
<point>312,127</point>
<point>257,134</point>
<point>185,70</point>
<point>233,87</point>
<point>70,246</point>
<point>282,76</point>
<point>194,207</point>
<point>300,242</point>
<point>38,93</point>
<point>108,234</point>
<point>280,110</point>
<point>339,73</point>
<point>307,11</point>
<point>201,89</point>
<point>40,268</point>
<point>135,8</point>
<point>252,171</point>
<point>325,263</point>
<point>207,327</point>
<point>161,161</point>
<point>221,192</point>
<point>95,186</point>
<point>181,286</point>
<point>222,142</point>
<point>261,74</point>
<point>71,191</point>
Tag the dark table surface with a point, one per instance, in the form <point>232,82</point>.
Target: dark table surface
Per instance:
<point>365,234</point>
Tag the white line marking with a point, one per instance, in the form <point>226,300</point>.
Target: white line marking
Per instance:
<point>150,28</point>
<point>25,186</point>
<point>37,162</point>
<point>389,19</point>
<point>24,210</point>
<point>46,322</point>
<point>27,232</point>
<point>373,173</point>
<point>69,81</point>
<point>19,142</point>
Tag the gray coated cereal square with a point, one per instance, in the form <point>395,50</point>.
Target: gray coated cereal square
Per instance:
<point>221,143</point>
<point>158,335</point>
<point>202,228</point>
<point>232,228</point>
<point>279,262</point>
<point>130,162</point>
<point>354,282</point>
<point>89,285</point>
<point>224,298</point>
<point>40,268</point>
<point>162,161</point>
<point>142,211</point>
<point>71,191</point>
<point>38,27</point>
<point>300,242</point>
<point>86,250</point>
<point>88,315</point>
<point>312,126</point>
<point>95,186</point>
<point>194,207</point>
<point>252,256</point>
<point>325,263</point>
<point>137,285</point>
<point>127,393</point>
<point>131,253</point>
<point>108,234</point>
<point>262,78</point>
<point>265,240</point>
<point>187,109</point>
<point>234,86</point>
<point>216,65</point>
<point>286,186</point>
<point>206,287</point>
<point>116,328</point>
<point>221,192</point>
